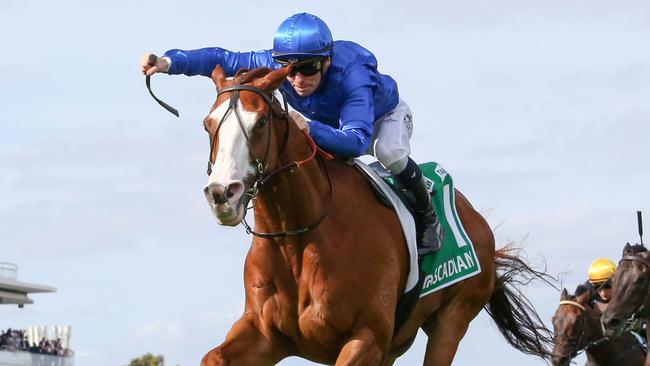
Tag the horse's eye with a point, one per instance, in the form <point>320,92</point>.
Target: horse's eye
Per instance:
<point>261,122</point>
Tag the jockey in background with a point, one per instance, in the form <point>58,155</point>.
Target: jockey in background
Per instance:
<point>352,108</point>
<point>600,273</point>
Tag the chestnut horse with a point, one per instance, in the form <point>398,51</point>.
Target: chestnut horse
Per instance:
<point>328,263</point>
<point>577,328</point>
<point>630,292</point>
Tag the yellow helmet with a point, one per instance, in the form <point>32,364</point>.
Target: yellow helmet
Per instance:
<point>601,270</point>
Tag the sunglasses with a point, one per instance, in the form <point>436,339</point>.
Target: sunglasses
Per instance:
<point>305,68</point>
<point>605,286</point>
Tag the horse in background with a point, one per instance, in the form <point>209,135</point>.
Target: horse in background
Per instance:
<point>327,265</point>
<point>577,328</point>
<point>630,292</point>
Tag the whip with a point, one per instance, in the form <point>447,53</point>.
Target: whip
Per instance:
<point>152,62</point>
<point>640,223</point>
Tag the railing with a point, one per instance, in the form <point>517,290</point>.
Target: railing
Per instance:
<point>8,271</point>
<point>22,358</point>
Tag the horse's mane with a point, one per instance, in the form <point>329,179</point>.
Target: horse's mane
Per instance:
<point>638,248</point>
<point>250,75</point>
<point>581,289</point>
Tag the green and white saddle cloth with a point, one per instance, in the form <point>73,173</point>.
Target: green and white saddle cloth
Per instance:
<point>456,259</point>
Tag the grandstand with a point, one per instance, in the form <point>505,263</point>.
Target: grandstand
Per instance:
<point>14,292</point>
<point>32,346</point>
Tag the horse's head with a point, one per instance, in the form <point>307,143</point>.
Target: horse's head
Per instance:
<point>630,287</point>
<point>571,325</point>
<point>243,125</point>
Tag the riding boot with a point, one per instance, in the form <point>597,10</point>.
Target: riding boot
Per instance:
<point>431,231</point>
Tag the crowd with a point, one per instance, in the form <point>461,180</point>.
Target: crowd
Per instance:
<point>16,340</point>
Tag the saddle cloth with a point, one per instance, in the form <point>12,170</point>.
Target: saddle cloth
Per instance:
<point>456,259</point>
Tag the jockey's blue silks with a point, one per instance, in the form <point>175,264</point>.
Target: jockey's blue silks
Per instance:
<point>351,97</point>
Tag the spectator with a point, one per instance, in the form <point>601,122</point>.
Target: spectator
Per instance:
<point>15,340</point>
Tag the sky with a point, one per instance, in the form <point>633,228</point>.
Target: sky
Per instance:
<point>539,110</point>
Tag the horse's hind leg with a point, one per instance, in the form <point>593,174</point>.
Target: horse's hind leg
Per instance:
<point>245,345</point>
<point>362,349</point>
<point>445,329</point>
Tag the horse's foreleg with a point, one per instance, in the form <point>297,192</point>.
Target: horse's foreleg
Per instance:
<point>246,345</point>
<point>362,349</point>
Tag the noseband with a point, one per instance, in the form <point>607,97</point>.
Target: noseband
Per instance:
<point>261,176</point>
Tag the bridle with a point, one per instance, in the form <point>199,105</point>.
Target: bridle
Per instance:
<point>261,165</point>
<point>577,343</point>
<point>261,177</point>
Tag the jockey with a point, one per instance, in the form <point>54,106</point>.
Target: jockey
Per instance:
<point>600,273</point>
<point>352,108</point>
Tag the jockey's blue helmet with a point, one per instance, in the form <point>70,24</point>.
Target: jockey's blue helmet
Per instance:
<point>302,36</point>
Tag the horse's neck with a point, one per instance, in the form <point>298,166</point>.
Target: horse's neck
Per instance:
<point>296,198</point>
<point>602,353</point>
<point>645,307</point>
<point>593,322</point>
<point>292,199</point>
<point>614,351</point>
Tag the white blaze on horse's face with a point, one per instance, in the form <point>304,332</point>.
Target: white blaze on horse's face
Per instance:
<point>226,190</point>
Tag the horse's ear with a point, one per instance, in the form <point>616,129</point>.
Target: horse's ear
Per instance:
<point>564,295</point>
<point>627,250</point>
<point>219,77</point>
<point>273,80</point>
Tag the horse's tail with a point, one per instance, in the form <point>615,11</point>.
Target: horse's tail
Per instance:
<point>512,312</point>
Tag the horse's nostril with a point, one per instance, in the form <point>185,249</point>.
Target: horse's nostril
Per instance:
<point>218,194</point>
<point>614,323</point>
<point>215,192</point>
<point>229,193</point>
<point>235,189</point>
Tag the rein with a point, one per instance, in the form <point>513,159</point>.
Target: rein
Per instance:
<point>261,176</point>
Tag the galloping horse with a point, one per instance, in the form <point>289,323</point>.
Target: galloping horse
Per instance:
<point>577,328</point>
<point>328,263</point>
<point>630,292</point>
